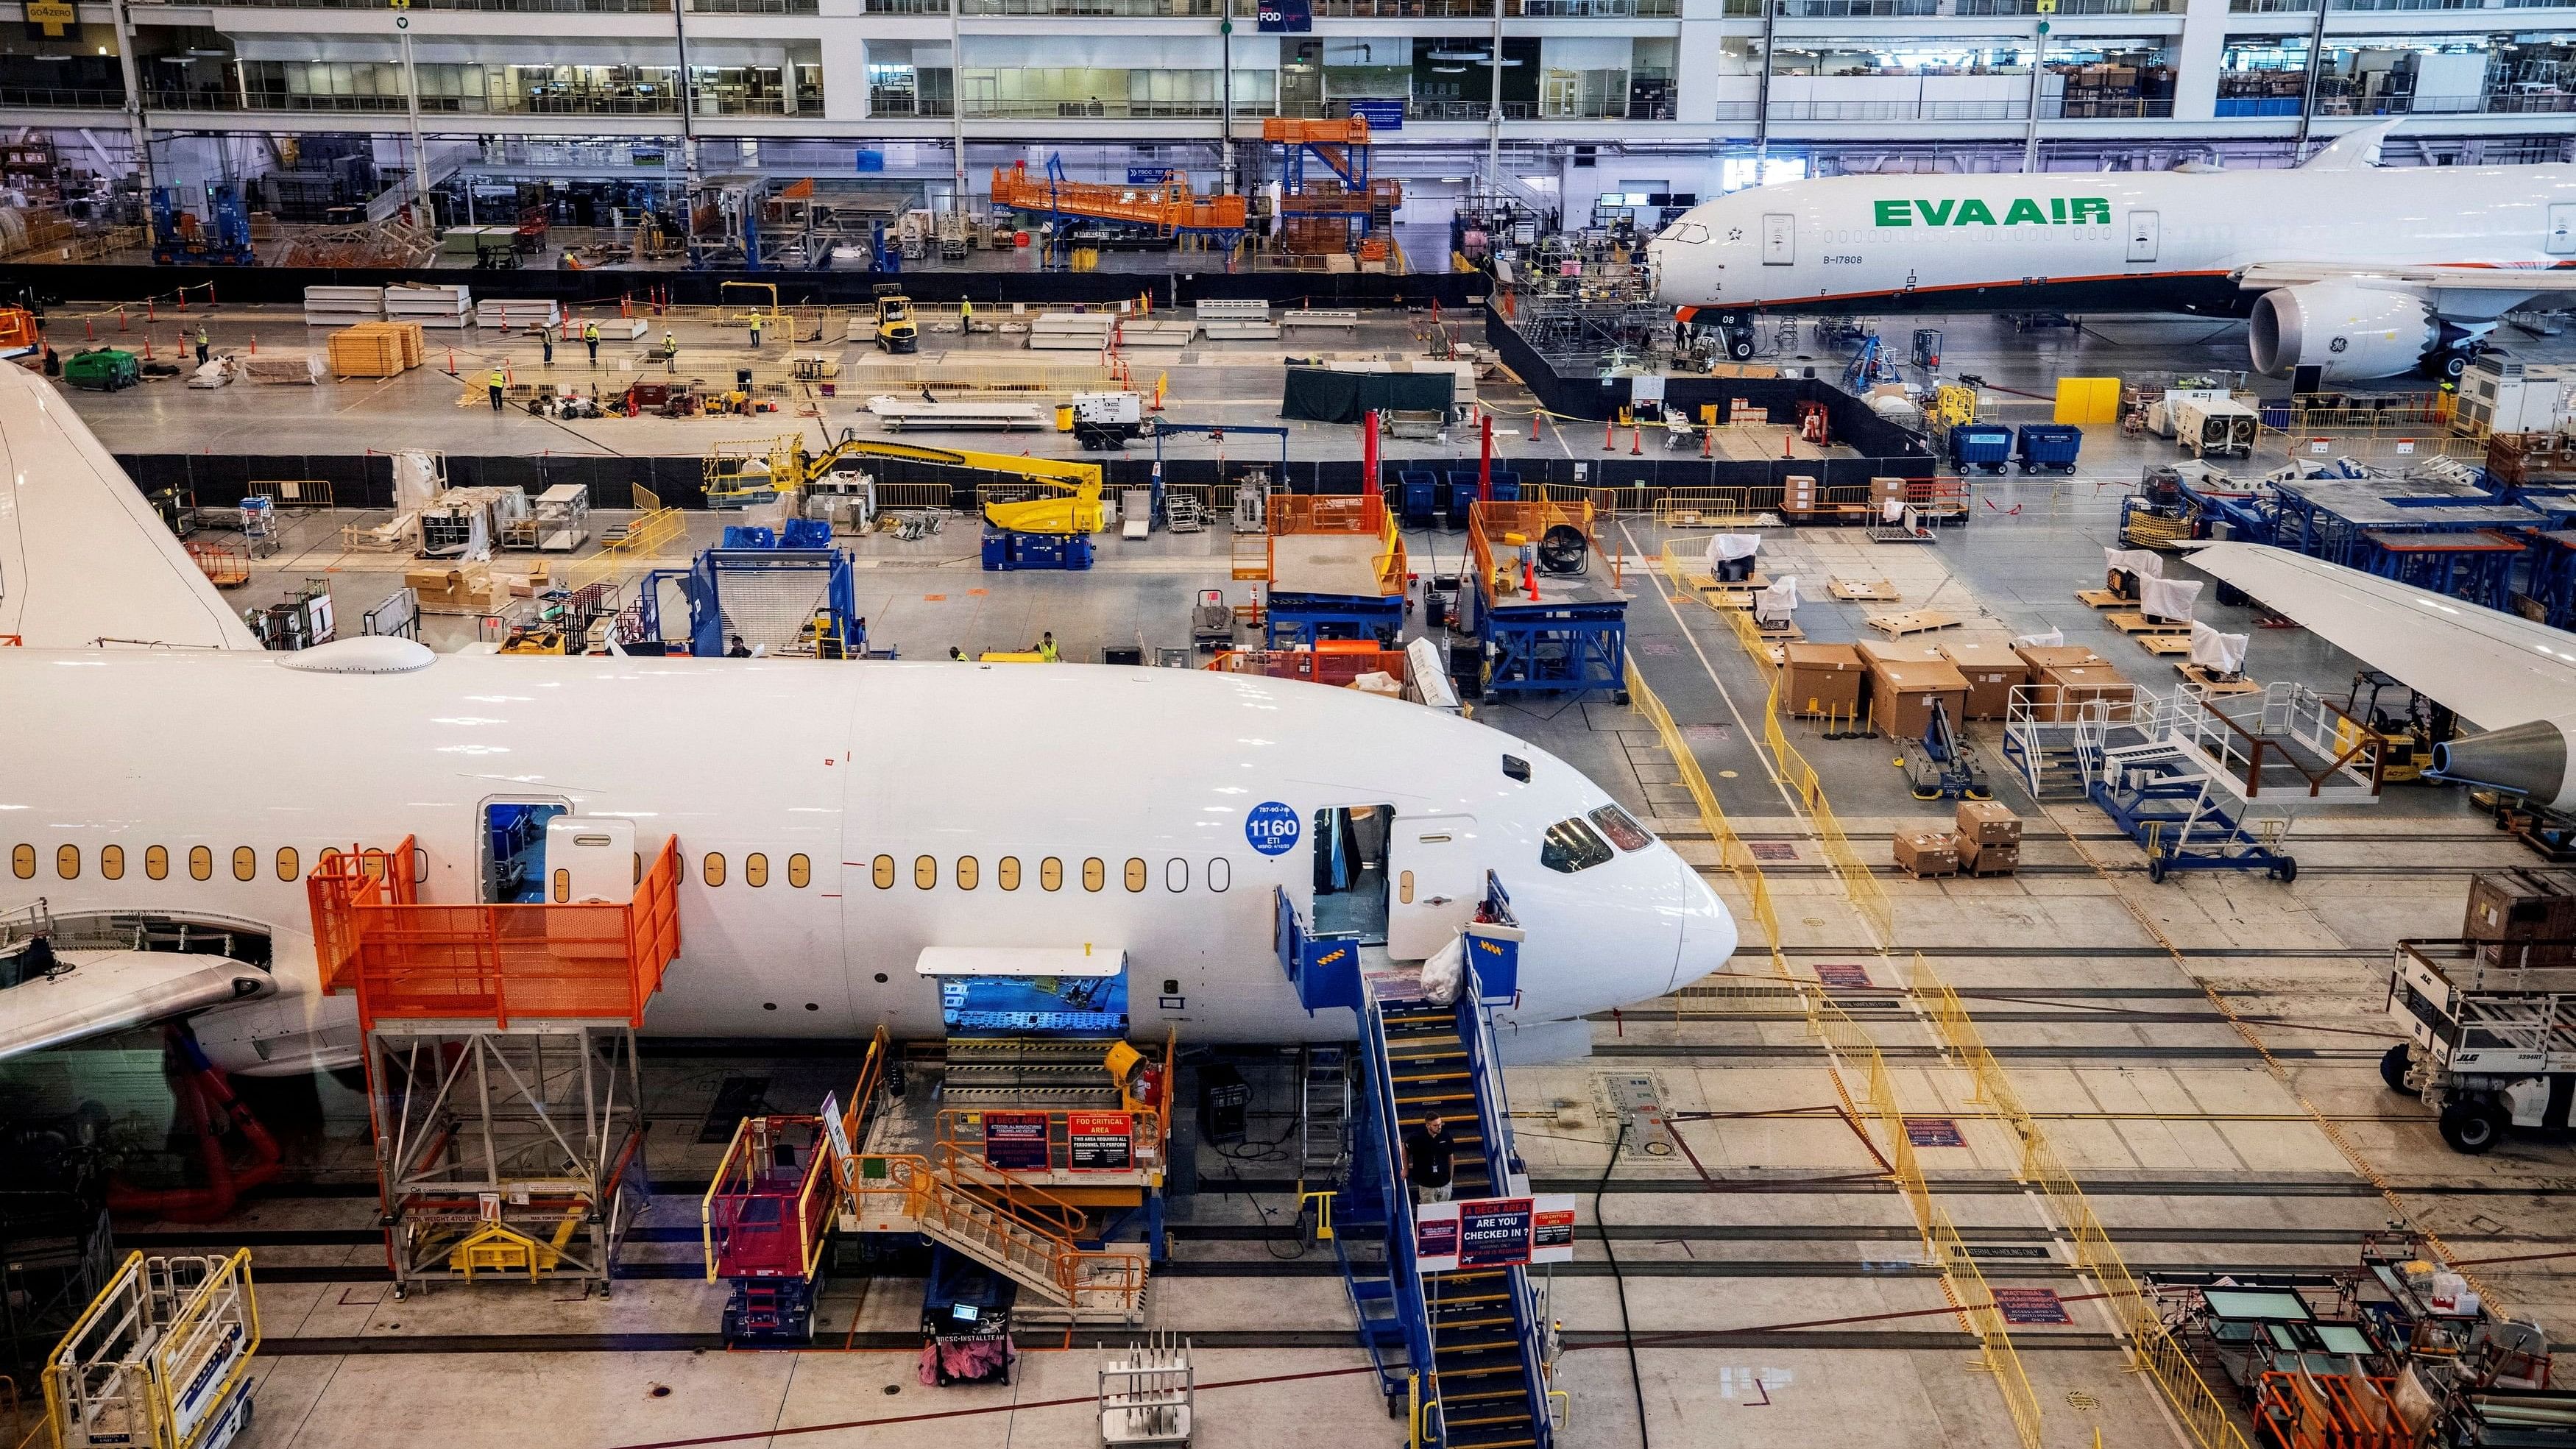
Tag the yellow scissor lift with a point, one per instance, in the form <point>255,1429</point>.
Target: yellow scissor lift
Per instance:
<point>161,1360</point>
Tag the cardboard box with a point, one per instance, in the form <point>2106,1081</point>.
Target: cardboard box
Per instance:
<point>2527,917</point>
<point>1882,490</point>
<point>1820,679</point>
<point>1901,651</point>
<point>1988,822</point>
<point>1992,670</point>
<point>2064,691</point>
<point>1902,692</point>
<point>1798,494</point>
<point>1981,859</point>
<point>1927,853</point>
<point>2056,656</point>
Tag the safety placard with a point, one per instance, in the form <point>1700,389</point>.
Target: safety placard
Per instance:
<point>1494,1232</point>
<point>1016,1141</point>
<point>1933,1132</point>
<point>2030,1305</point>
<point>1101,1141</point>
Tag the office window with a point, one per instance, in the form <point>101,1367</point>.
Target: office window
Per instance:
<point>712,868</point>
<point>1006,872</point>
<point>1051,874</point>
<point>289,862</point>
<point>1176,875</point>
<point>67,861</point>
<point>245,863</point>
<point>925,872</point>
<point>111,861</point>
<point>156,862</point>
<point>800,871</point>
<point>881,870</point>
<point>1095,873</point>
<point>755,869</point>
<point>201,863</point>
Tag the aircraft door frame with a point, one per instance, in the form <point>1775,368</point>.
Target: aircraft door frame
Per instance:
<point>2146,233</point>
<point>1779,239</point>
<point>2561,240</point>
<point>1435,880</point>
<point>590,858</point>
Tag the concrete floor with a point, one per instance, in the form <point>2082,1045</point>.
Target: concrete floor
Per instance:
<point>2099,992</point>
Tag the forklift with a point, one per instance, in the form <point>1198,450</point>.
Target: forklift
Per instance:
<point>897,332</point>
<point>2412,725</point>
<point>1939,767</point>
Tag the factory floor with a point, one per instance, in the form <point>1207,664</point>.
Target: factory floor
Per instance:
<point>2203,1054</point>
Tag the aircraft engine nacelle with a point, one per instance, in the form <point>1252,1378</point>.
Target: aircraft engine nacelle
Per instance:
<point>2352,331</point>
<point>2530,759</point>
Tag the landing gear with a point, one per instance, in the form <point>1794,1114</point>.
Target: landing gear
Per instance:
<point>2474,1124</point>
<point>2448,364</point>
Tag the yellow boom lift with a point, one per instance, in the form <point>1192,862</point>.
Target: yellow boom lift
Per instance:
<point>1071,501</point>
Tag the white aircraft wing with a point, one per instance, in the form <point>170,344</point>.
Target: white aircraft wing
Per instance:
<point>2492,668</point>
<point>91,993</point>
<point>2531,281</point>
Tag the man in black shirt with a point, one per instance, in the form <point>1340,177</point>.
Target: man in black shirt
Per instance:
<point>1428,1153</point>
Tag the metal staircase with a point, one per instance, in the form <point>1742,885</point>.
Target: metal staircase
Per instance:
<point>1021,1232</point>
<point>1323,1114</point>
<point>2047,753</point>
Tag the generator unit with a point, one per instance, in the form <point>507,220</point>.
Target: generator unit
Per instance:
<point>2503,395</point>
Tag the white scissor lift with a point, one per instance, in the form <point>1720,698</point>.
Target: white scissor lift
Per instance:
<point>162,1358</point>
<point>2491,1042</point>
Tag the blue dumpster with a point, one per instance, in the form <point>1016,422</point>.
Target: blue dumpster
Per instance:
<point>1417,497</point>
<point>1981,446</point>
<point>2048,447</point>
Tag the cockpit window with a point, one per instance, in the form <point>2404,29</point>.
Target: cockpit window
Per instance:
<point>1516,767</point>
<point>1624,832</point>
<point>1571,846</point>
<point>1690,233</point>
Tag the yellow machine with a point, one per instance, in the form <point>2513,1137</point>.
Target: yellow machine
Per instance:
<point>896,329</point>
<point>1010,656</point>
<point>534,639</point>
<point>758,315</point>
<point>751,472</point>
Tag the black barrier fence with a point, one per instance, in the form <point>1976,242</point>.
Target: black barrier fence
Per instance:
<point>56,285</point>
<point>366,480</point>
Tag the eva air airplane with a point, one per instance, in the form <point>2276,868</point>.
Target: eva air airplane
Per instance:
<point>2339,264</point>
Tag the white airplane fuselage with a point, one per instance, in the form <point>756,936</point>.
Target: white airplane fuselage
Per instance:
<point>882,777</point>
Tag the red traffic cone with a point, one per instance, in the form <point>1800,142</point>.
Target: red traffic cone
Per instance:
<point>1610,436</point>
<point>1636,442</point>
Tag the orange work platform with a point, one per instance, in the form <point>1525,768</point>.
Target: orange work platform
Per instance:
<point>1339,131</point>
<point>593,962</point>
<point>1168,206</point>
<point>2330,1411</point>
<point>1336,667</point>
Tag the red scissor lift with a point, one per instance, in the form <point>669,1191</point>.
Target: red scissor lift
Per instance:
<point>765,1219</point>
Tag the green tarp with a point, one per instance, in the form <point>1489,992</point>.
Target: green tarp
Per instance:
<point>1323,395</point>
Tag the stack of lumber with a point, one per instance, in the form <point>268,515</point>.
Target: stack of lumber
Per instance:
<point>376,349</point>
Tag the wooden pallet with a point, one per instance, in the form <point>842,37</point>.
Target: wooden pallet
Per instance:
<point>2102,599</point>
<point>2164,646</point>
<point>2136,623</point>
<point>1912,621</point>
<point>2201,676</point>
<point>1875,591</point>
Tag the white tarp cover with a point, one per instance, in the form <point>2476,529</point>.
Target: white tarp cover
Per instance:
<point>2143,562</point>
<point>2219,653</point>
<point>1444,975</point>
<point>2053,639</point>
<point>1727,547</point>
<point>2168,598</point>
<point>1778,600</point>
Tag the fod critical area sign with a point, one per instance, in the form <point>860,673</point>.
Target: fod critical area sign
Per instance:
<point>1494,1232</point>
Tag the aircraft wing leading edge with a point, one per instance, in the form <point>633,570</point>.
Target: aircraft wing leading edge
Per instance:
<point>92,993</point>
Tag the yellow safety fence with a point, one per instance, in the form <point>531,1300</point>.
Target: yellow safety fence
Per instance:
<point>643,539</point>
<point>2155,1349</point>
<point>1732,852</point>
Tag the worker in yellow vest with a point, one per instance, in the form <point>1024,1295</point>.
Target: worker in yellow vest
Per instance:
<point>1047,651</point>
<point>965,316</point>
<point>590,339</point>
<point>499,380</point>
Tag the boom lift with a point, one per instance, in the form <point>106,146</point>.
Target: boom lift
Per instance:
<point>1939,767</point>
<point>1072,489</point>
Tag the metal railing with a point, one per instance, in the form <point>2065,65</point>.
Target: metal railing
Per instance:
<point>1107,8</point>
<point>1732,853</point>
<point>63,98</point>
<point>2249,742</point>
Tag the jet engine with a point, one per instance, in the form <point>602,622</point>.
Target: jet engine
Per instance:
<point>2530,759</point>
<point>2350,330</point>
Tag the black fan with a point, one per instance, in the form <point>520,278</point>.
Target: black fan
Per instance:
<point>1561,550</point>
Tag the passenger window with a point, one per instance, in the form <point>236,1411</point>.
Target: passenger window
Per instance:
<point>925,872</point>
<point>968,872</point>
<point>800,871</point>
<point>1404,887</point>
<point>563,885</point>
<point>1176,875</point>
<point>1571,846</point>
<point>881,870</point>
<point>1094,873</point>
<point>1220,874</point>
<point>288,863</point>
<point>111,861</point>
<point>1006,872</point>
<point>712,868</point>
<point>201,862</point>
<point>245,863</point>
<point>22,862</point>
<point>67,861</point>
<point>1135,874</point>
<point>755,869</point>
<point>1051,874</point>
<point>1623,830</point>
<point>156,862</point>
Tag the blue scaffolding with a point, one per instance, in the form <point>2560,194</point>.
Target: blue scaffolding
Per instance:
<point>1301,621</point>
<point>778,601</point>
<point>1548,622</point>
<point>2552,582</point>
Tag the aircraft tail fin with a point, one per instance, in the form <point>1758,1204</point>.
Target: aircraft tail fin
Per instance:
<point>2354,151</point>
<point>84,559</point>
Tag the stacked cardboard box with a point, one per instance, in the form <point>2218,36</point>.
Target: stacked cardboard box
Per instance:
<point>2064,676</point>
<point>467,588</point>
<point>1989,838</point>
<point>1821,679</point>
<point>1993,672</point>
<point>1927,854</point>
<point>1904,681</point>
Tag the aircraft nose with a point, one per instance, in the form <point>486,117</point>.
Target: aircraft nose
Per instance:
<point>1708,931</point>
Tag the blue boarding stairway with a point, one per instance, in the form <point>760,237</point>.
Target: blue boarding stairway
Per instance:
<point>1459,1353</point>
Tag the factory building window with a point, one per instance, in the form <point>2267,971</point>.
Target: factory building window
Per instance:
<point>712,868</point>
<point>1571,846</point>
<point>1051,874</point>
<point>1176,875</point>
<point>925,872</point>
<point>156,862</point>
<point>67,862</point>
<point>111,861</point>
<point>288,863</point>
<point>881,870</point>
<point>755,869</point>
<point>968,872</point>
<point>1135,874</point>
<point>201,863</point>
<point>1624,831</point>
<point>800,871</point>
<point>1220,874</point>
<point>1095,873</point>
<point>1007,872</point>
<point>245,863</point>
<point>22,862</point>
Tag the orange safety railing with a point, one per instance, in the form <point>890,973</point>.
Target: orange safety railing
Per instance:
<point>750,1223</point>
<point>1336,131</point>
<point>1334,667</point>
<point>1343,513</point>
<point>2330,1411</point>
<point>863,1093</point>
<point>1170,205</point>
<point>1490,524</point>
<point>406,960</point>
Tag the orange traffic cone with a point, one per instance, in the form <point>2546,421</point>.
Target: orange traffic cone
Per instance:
<point>1610,436</point>
<point>1534,424</point>
<point>1637,442</point>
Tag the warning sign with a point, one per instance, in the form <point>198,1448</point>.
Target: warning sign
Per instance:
<point>1552,1229</point>
<point>1016,1141</point>
<point>1494,1232</point>
<point>1933,1132</point>
<point>1842,973</point>
<point>2031,1305</point>
<point>1101,1141</point>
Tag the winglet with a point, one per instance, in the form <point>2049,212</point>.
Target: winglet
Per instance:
<point>2356,150</point>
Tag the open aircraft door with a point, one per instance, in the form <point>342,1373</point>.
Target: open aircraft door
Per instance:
<point>591,858</point>
<point>1435,877</point>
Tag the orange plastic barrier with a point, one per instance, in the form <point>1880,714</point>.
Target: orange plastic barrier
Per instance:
<point>1169,205</point>
<point>406,960</point>
<point>1333,667</point>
